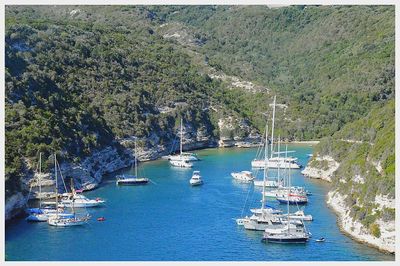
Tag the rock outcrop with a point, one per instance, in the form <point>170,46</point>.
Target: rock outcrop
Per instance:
<point>321,168</point>
<point>386,240</point>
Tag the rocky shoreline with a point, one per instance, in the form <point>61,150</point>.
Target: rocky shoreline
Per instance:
<point>324,168</point>
<point>385,243</point>
<point>88,173</point>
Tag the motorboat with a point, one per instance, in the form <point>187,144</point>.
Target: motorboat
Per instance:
<point>196,179</point>
<point>243,176</point>
<point>80,201</point>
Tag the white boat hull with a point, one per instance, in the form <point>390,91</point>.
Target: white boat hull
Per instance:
<point>64,222</point>
<point>274,164</point>
<point>243,176</point>
<point>82,204</point>
<point>181,164</point>
<point>196,182</point>
<point>269,183</point>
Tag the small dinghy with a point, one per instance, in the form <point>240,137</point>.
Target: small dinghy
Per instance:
<point>322,239</point>
<point>101,219</point>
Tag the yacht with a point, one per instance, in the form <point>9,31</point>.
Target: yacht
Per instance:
<point>243,176</point>
<point>292,199</point>
<point>183,158</point>
<point>132,179</point>
<point>196,179</point>
<point>275,162</point>
<point>299,215</point>
<point>79,200</point>
<point>289,232</point>
<point>181,163</point>
<point>62,220</point>
<point>262,217</point>
<point>187,156</point>
<point>44,211</point>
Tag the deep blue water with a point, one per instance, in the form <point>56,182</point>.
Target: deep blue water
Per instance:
<point>170,220</point>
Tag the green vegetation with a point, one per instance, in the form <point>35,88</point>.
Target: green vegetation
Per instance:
<point>330,64</point>
<point>75,83</point>
<point>377,148</point>
<point>375,230</point>
<point>79,78</point>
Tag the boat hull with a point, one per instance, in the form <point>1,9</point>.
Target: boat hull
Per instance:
<point>196,183</point>
<point>301,240</point>
<point>132,182</point>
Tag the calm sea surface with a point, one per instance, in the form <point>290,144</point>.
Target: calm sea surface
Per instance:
<point>170,220</point>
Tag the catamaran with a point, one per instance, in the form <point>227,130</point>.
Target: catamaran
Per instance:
<point>61,220</point>
<point>275,162</point>
<point>182,159</point>
<point>132,179</point>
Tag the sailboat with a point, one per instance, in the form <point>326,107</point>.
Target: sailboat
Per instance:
<point>275,162</point>
<point>132,179</point>
<point>182,159</point>
<point>60,220</point>
<point>263,216</point>
<point>42,213</point>
<point>289,232</point>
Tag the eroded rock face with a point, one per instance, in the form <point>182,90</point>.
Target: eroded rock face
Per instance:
<point>325,173</point>
<point>88,173</point>
<point>387,239</point>
<point>14,205</point>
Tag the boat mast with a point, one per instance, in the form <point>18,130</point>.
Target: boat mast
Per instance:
<point>279,163</point>
<point>55,173</point>
<point>135,160</point>
<point>288,195</point>
<point>273,127</point>
<point>265,167</point>
<point>181,136</point>
<point>40,180</point>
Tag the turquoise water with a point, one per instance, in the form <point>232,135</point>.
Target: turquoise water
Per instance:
<point>170,220</point>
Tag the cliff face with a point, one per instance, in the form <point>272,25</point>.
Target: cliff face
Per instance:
<point>359,162</point>
<point>89,172</point>
<point>385,240</point>
<point>321,168</point>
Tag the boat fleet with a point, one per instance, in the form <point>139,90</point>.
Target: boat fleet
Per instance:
<point>61,212</point>
<point>277,226</point>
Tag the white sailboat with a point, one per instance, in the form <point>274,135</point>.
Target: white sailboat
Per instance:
<point>132,179</point>
<point>263,216</point>
<point>289,232</point>
<point>182,159</point>
<point>61,220</point>
<point>44,211</point>
<point>275,162</point>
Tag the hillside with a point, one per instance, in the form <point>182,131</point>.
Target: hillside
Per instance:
<point>363,183</point>
<point>79,79</point>
<point>84,80</point>
<point>329,64</point>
